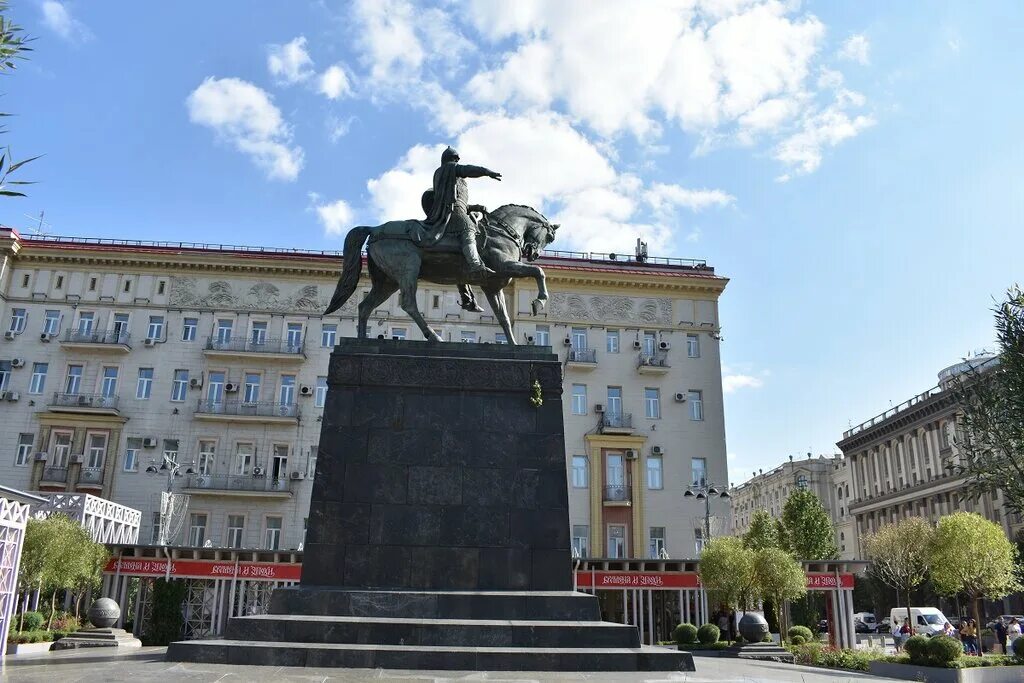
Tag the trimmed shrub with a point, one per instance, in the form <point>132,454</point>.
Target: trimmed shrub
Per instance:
<point>801,631</point>
<point>917,648</point>
<point>708,633</point>
<point>797,640</point>
<point>33,621</point>
<point>685,634</point>
<point>944,650</point>
<point>1018,648</point>
<point>167,624</point>
<point>768,638</point>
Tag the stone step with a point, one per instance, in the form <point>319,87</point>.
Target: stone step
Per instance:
<point>364,656</point>
<point>432,632</point>
<point>526,605</point>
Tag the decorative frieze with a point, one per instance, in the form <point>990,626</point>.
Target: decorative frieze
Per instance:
<point>610,309</point>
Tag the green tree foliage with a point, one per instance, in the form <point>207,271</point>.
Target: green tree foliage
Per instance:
<point>166,624</point>
<point>808,529</point>
<point>727,569</point>
<point>779,577</point>
<point>13,46</point>
<point>763,532</point>
<point>899,555</point>
<point>971,555</point>
<point>990,430</point>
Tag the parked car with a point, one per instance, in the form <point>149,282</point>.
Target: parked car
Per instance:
<point>860,627</point>
<point>885,625</point>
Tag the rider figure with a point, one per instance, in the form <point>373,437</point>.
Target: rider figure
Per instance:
<point>450,210</point>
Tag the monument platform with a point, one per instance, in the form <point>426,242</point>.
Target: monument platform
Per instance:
<point>438,530</point>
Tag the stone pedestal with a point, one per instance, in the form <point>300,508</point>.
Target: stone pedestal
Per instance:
<point>97,637</point>
<point>438,530</point>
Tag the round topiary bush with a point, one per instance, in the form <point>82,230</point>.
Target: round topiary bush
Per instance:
<point>1018,648</point>
<point>708,633</point>
<point>685,634</point>
<point>801,631</point>
<point>797,640</point>
<point>943,650</point>
<point>917,648</point>
<point>33,621</point>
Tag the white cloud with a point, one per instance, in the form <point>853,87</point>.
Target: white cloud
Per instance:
<point>387,36</point>
<point>662,196</point>
<point>334,83</point>
<point>736,381</point>
<point>802,152</point>
<point>290,63</point>
<point>337,128</point>
<point>856,48</point>
<point>58,19</point>
<point>245,116</point>
<point>336,216</point>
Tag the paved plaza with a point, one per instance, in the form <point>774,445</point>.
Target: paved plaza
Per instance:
<point>147,664</point>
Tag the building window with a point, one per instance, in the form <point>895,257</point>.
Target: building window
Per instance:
<point>321,392</point>
<point>24,280</point>
<point>18,319</point>
<point>614,407</point>
<point>127,286</point>
<point>236,530</point>
<point>161,287</point>
<point>73,383</point>
<point>328,336</point>
<point>197,529</point>
<point>650,343</point>
<point>92,284</point>
<point>258,336</point>
<point>579,338</point>
<point>656,547</point>
<point>156,327</point>
<point>252,387</point>
<point>131,455</point>
<point>287,393</point>
<point>38,382</point>
<point>802,481</point>
<point>655,478</point>
<point>225,327</point>
<point>60,282</point>
<point>468,336</point>
<point>294,336</point>
<point>699,471</point>
<point>435,301</point>
<point>171,449</point>
<point>96,453</point>
<point>144,387</point>
<point>616,540</point>
<point>579,399</point>
<point>120,329</point>
<point>581,540</point>
<point>696,405</point>
<point>692,346</point>
<point>698,540</point>
<point>612,341</point>
<point>109,386</point>
<point>179,386</point>
<point>279,463</point>
<point>398,333</point>
<point>5,373</point>
<point>155,539</point>
<point>188,329</point>
<point>579,471</point>
<point>24,453</point>
<point>207,457</point>
<point>652,403</point>
<point>272,538</point>
<point>243,459</point>
<point>542,336</point>
<point>499,338</point>
<point>51,324</point>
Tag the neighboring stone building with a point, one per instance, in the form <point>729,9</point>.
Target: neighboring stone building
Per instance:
<point>898,464</point>
<point>769,490</point>
<point>117,352</point>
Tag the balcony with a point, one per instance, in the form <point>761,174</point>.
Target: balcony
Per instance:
<point>271,349</point>
<point>242,411</point>
<point>618,494</point>
<point>111,340</point>
<point>616,423</point>
<point>54,475</point>
<point>582,359</point>
<point>653,363</point>
<point>90,404</point>
<point>90,477</point>
<point>239,485</point>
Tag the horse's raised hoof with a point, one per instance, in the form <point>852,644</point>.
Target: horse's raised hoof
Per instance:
<point>537,306</point>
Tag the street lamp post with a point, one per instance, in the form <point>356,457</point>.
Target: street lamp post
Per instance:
<point>171,467</point>
<point>706,492</point>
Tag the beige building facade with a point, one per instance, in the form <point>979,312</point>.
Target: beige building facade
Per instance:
<point>118,353</point>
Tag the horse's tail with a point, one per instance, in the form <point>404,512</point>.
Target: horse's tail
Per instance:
<point>353,262</point>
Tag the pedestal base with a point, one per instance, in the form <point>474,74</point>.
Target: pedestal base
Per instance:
<point>97,637</point>
<point>771,652</point>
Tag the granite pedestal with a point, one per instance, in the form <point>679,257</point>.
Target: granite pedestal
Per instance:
<point>438,532</point>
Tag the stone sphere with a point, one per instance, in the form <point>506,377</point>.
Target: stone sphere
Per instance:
<point>104,613</point>
<point>753,627</point>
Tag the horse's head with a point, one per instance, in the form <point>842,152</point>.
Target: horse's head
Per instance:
<point>536,231</point>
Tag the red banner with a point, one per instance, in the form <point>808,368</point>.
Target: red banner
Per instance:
<point>820,582</point>
<point>676,580</point>
<point>206,569</point>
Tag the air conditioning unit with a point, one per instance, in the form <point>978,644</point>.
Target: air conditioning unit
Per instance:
<point>305,390</point>
<point>656,450</point>
<point>664,346</point>
<point>637,344</point>
<point>567,341</point>
<point>298,475</point>
<point>680,397</point>
<point>150,342</point>
<point>42,456</point>
<point>196,382</point>
<point>230,387</point>
<point>149,442</point>
<point>45,337</point>
<point>83,400</point>
<point>599,408</point>
<point>202,481</point>
<point>17,362</point>
<point>77,458</point>
<point>257,471</point>
<point>630,454</point>
<point>9,335</point>
<point>13,396</point>
<point>529,339</point>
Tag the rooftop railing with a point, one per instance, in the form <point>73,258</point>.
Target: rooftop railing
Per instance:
<point>892,412</point>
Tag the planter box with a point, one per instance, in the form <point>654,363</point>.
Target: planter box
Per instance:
<point>27,648</point>
<point>911,672</point>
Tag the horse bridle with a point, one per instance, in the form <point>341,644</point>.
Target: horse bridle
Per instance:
<point>519,241</point>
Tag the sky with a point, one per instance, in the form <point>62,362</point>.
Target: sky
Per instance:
<point>852,168</point>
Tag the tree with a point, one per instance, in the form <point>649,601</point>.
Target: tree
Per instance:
<point>809,533</point>
<point>899,554</point>
<point>727,569</point>
<point>763,532</point>
<point>13,46</point>
<point>779,578</point>
<point>972,555</point>
<point>990,429</point>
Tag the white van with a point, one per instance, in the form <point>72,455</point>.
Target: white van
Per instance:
<point>868,619</point>
<point>925,621</point>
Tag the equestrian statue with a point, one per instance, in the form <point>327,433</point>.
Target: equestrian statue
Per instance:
<point>459,244</point>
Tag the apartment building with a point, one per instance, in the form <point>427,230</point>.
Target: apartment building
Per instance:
<point>118,355</point>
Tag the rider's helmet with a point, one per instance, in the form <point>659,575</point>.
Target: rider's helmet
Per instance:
<point>449,154</point>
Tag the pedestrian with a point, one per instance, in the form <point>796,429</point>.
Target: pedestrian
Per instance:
<point>896,634</point>
<point>969,637</point>
<point>1000,633</point>
<point>1013,632</point>
<point>948,630</point>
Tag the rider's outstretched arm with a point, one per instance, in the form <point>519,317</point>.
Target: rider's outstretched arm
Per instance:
<point>470,171</point>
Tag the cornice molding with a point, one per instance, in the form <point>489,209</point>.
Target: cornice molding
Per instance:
<point>921,414</point>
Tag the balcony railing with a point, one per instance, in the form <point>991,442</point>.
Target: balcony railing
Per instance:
<point>617,420</point>
<point>84,401</point>
<point>582,355</point>
<point>55,474</point>
<point>653,360</point>
<point>618,493</point>
<point>113,337</point>
<point>245,409</point>
<point>239,482</point>
<point>255,345</point>
<point>91,475</point>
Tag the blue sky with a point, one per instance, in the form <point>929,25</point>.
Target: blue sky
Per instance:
<point>854,168</point>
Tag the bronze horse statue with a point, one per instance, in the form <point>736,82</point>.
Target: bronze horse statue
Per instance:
<point>396,263</point>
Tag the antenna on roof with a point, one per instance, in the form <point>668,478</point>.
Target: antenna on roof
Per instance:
<point>641,250</point>
<point>38,229</point>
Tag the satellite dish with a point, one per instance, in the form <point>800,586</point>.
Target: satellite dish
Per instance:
<point>612,257</point>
